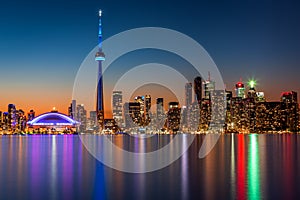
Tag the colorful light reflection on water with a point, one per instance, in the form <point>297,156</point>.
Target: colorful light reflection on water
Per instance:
<point>239,167</point>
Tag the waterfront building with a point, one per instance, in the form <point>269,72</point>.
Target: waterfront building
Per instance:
<point>12,120</point>
<point>160,114</point>
<point>198,89</point>
<point>117,107</point>
<point>31,115</point>
<point>218,109</point>
<point>173,117</point>
<point>240,89</point>
<point>147,110</point>
<point>186,110</point>
<point>21,120</point>
<point>81,116</point>
<point>72,110</point>
<point>52,122</point>
<point>209,87</point>
<point>205,115</point>
<point>290,108</point>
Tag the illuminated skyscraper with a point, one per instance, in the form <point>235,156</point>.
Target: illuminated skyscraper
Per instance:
<point>290,109</point>
<point>141,101</point>
<point>100,57</point>
<point>173,121</point>
<point>12,120</point>
<point>31,115</point>
<point>188,94</point>
<point>159,107</point>
<point>209,87</point>
<point>198,89</point>
<point>81,117</point>
<point>117,106</point>
<point>240,89</point>
<point>72,110</point>
<point>135,113</point>
<point>147,109</point>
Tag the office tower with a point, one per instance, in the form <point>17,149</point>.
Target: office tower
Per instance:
<point>205,115</point>
<point>198,89</point>
<point>21,120</point>
<point>117,107</point>
<point>141,101</point>
<point>249,117</point>
<point>81,117</point>
<point>160,113</point>
<point>251,91</point>
<point>31,115</point>
<point>72,110</point>
<point>93,117</point>
<point>228,119</point>
<point>127,117</point>
<point>188,101</point>
<point>218,109</point>
<point>12,121</point>
<point>134,111</point>
<point>147,109</point>
<point>240,89</point>
<point>173,120</point>
<point>159,107</point>
<point>99,58</point>
<point>209,86</point>
<point>236,112</point>
<point>188,94</point>
<point>1,121</point>
<point>290,108</point>
<point>5,121</point>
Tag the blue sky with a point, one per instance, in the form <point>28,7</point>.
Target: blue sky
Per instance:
<point>42,43</point>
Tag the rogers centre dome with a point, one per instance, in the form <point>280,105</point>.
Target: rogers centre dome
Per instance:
<point>53,120</point>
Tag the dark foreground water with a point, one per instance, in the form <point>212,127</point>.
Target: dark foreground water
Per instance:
<point>239,167</point>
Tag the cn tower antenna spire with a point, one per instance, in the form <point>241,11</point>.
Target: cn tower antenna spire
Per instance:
<point>100,31</point>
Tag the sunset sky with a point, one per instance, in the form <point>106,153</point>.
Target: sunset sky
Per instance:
<point>43,43</point>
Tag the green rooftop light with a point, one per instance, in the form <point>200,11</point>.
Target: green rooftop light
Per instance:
<point>252,83</point>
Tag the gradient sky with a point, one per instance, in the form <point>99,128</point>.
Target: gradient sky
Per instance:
<point>42,43</point>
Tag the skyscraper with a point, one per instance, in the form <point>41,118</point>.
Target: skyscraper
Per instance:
<point>240,89</point>
<point>12,121</point>
<point>147,109</point>
<point>117,106</point>
<point>141,101</point>
<point>159,107</point>
<point>81,117</point>
<point>198,89</point>
<point>72,110</point>
<point>290,110</point>
<point>173,121</point>
<point>209,87</point>
<point>100,57</point>
<point>31,115</point>
<point>188,94</point>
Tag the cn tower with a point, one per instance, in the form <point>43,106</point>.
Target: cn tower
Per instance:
<point>99,58</point>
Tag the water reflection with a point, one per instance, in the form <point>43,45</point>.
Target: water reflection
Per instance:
<point>253,172</point>
<point>239,167</point>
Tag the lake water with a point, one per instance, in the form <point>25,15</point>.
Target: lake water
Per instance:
<point>239,167</point>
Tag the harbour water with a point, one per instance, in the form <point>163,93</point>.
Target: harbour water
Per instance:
<point>255,166</point>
